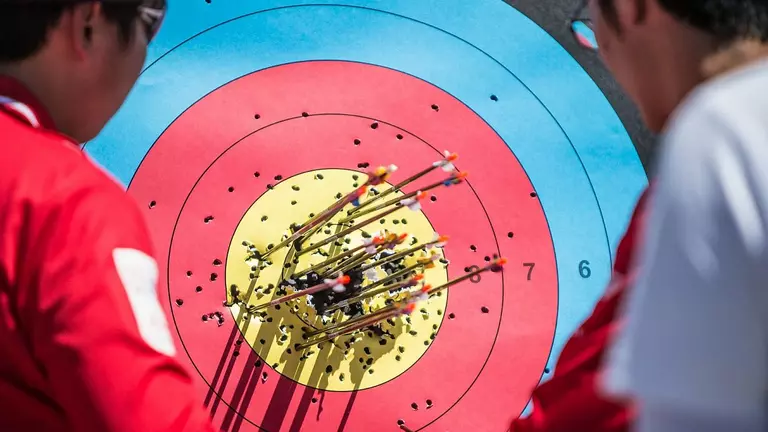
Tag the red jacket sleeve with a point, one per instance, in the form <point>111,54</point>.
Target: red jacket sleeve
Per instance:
<point>571,401</point>
<point>94,321</point>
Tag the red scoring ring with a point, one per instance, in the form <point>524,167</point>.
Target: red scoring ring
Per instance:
<point>529,312</point>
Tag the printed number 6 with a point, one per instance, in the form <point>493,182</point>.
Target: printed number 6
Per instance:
<point>584,269</point>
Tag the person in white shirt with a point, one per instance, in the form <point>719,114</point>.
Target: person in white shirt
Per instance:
<point>693,353</point>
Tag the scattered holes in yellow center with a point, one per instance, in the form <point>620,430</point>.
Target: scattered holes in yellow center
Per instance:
<point>350,363</point>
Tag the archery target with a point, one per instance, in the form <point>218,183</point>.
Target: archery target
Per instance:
<point>242,104</point>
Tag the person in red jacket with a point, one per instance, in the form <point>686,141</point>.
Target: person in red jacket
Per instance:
<point>660,52</point>
<point>571,400</point>
<point>84,342</point>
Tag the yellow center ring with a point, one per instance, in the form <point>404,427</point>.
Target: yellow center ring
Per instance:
<point>350,363</point>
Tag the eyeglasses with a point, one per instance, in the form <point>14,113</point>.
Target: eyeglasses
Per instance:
<point>152,14</point>
<point>581,27</point>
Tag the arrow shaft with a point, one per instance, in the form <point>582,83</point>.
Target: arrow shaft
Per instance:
<point>391,202</point>
<point>328,262</point>
<point>368,320</point>
<point>396,256</point>
<point>311,290</point>
<point>348,231</point>
<point>392,189</point>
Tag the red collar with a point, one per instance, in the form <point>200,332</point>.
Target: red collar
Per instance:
<point>18,101</point>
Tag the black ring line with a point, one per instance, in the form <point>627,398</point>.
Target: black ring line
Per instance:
<point>330,114</point>
<point>301,319</point>
<point>549,228</point>
<point>610,255</point>
<point>551,115</point>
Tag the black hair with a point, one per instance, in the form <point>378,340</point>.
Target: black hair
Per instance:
<point>727,21</point>
<point>24,26</point>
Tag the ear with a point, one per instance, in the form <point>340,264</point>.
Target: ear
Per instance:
<point>632,12</point>
<point>80,27</point>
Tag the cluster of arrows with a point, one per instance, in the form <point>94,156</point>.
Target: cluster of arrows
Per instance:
<point>348,278</point>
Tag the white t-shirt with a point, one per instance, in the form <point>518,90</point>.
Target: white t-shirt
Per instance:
<point>694,352</point>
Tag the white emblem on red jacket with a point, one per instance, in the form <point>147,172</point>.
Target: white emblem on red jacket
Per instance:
<point>138,272</point>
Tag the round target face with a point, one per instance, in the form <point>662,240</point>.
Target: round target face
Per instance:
<point>248,120</point>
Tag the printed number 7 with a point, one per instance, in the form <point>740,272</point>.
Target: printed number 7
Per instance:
<point>530,268</point>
